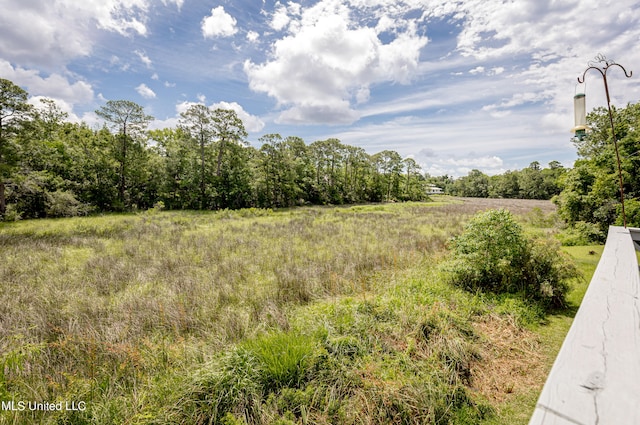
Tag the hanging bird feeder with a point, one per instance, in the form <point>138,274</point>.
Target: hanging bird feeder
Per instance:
<point>580,116</point>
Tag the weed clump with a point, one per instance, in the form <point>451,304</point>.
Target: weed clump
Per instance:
<point>494,255</point>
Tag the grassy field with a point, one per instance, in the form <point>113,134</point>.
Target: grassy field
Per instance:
<point>309,315</point>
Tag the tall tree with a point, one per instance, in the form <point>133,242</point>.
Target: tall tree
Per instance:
<point>414,188</point>
<point>328,157</point>
<point>198,122</point>
<point>389,165</point>
<point>232,177</point>
<point>128,120</point>
<point>13,110</point>
<point>229,128</point>
<point>180,169</point>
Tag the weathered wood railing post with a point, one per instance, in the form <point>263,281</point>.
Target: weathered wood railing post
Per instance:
<point>596,377</point>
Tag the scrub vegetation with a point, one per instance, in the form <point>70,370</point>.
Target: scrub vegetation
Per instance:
<point>309,315</point>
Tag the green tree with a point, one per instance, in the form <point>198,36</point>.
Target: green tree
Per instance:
<point>505,185</point>
<point>229,130</point>
<point>475,184</point>
<point>327,156</point>
<point>590,191</point>
<point>390,167</point>
<point>280,168</point>
<point>179,168</point>
<point>232,183</point>
<point>358,172</point>
<point>414,186</point>
<point>129,121</point>
<point>531,183</point>
<point>14,110</point>
<point>198,123</point>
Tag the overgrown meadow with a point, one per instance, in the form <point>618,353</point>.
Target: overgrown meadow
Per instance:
<point>310,315</point>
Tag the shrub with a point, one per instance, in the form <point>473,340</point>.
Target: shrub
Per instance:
<point>11,214</point>
<point>493,254</point>
<point>581,233</point>
<point>64,204</point>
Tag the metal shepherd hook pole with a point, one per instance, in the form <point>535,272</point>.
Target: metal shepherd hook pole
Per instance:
<point>602,65</point>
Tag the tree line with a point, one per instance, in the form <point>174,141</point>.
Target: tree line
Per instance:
<point>588,194</point>
<point>533,182</point>
<point>50,167</point>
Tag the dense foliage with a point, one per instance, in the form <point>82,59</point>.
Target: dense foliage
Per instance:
<point>533,182</point>
<point>50,167</point>
<point>493,254</point>
<point>591,195</point>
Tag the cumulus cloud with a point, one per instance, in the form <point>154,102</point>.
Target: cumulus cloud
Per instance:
<point>54,85</point>
<point>329,59</point>
<point>251,122</point>
<point>44,32</point>
<point>280,18</point>
<point>145,91</point>
<point>218,24</point>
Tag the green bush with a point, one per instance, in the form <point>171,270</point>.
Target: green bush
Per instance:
<point>632,212</point>
<point>493,254</point>
<point>64,204</point>
<point>581,233</point>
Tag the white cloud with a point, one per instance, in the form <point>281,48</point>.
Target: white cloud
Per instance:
<point>457,167</point>
<point>178,3</point>
<point>145,91</point>
<point>549,30</point>
<point>64,106</point>
<point>54,86</point>
<point>122,16</point>
<point>251,123</point>
<point>328,60</point>
<point>252,36</point>
<point>280,18</point>
<point>517,100</point>
<point>144,58</point>
<point>218,24</point>
<point>50,32</point>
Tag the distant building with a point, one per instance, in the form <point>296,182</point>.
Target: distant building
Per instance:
<point>432,189</point>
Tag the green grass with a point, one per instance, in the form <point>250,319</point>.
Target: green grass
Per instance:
<point>308,315</point>
<point>550,335</point>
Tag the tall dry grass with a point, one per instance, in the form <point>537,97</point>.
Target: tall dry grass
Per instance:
<point>98,308</point>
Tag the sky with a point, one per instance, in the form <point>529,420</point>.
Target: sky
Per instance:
<point>456,85</point>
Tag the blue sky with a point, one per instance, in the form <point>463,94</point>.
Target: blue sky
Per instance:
<point>456,85</point>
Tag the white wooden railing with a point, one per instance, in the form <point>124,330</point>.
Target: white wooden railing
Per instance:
<point>596,377</point>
